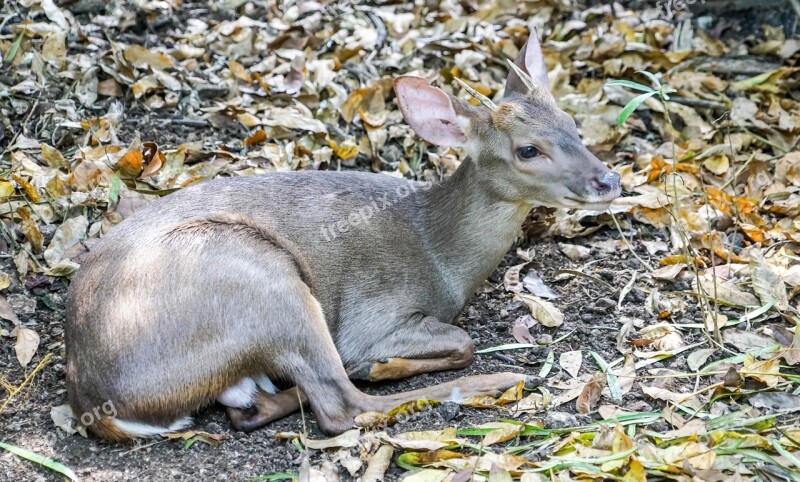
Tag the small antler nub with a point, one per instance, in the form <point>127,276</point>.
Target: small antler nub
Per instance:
<point>523,76</point>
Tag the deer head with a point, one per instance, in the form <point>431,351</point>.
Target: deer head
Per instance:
<point>525,148</point>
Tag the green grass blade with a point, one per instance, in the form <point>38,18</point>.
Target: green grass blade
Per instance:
<point>12,52</point>
<point>632,105</point>
<point>652,78</point>
<point>277,476</point>
<point>785,453</point>
<point>51,464</point>
<point>631,85</point>
<point>548,364</point>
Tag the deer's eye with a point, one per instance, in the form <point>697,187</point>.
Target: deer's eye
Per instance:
<point>528,152</point>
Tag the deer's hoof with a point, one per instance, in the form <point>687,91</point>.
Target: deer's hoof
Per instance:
<point>532,382</point>
<point>360,371</point>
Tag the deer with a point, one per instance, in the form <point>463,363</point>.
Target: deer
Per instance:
<point>227,289</point>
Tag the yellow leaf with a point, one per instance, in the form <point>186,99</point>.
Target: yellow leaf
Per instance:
<point>6,189</point>
<point>53,157</point>
<point>718,164</point>
<point>239,71</point>
<point>30,191</point>
<point>766,371</point>
<point>503,433</point>
<point>346,150</point>
<point>635,473</point>
<point>511,395</point>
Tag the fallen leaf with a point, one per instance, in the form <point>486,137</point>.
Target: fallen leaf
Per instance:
<point>590,393</point>
<point>571,362</point>
<point>766,283</point>
<point>26,346</point>
<point>378,464</point>
<point>542,311</point>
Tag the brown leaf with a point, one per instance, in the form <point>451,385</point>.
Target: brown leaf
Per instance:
<point>109,88</point>
<point>258,136</point>
<point>591,393</point>
<point>511,280</point>
<point>130,164</point>
<point>153,159</point>
<point>732,378</point>
<point>766,283</point>
<point>142,57</point>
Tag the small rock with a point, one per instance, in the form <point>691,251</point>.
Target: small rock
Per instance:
<point>606,274</point>
<point>681,285</point>
<point>605,303</point>
<point>560,420</point>
<point>639,406</point>
<point>448,411</point>
<point>21,304</point>
<point>587,317</point>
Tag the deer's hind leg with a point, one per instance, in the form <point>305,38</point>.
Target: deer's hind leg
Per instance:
<point>422,345</point>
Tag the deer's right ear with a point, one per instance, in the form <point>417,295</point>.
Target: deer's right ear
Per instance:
<point>429,111</point>
<point>531,61</point>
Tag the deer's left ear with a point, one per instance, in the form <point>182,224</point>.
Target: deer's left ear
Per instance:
<point>531,61</point>
<point>431,112</point>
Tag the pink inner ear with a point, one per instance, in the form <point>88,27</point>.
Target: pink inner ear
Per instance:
<point>428,111</point>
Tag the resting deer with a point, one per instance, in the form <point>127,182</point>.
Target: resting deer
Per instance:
<point>228,285</point>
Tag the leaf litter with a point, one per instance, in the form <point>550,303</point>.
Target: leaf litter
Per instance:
<point>308,86</point>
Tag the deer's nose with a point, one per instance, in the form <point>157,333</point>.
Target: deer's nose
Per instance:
<point>606,183</point>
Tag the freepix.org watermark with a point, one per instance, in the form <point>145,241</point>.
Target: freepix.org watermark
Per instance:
<point>667,8</point>
<point>362,215</point>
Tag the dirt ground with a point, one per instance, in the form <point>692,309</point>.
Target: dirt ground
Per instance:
<point>591,320</point>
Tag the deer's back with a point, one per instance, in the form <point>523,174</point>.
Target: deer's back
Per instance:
<point>356,232</point>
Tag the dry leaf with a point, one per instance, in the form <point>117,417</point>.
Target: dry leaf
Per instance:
<point>571,361</point>
<point>542,311</point>
<point>766,283</point>
<point>590,393</point>
<point>26,346</point>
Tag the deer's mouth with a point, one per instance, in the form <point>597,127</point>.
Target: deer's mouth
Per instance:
<point>597,204</point>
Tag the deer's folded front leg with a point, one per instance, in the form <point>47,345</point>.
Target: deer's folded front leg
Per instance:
<point>420,346</point>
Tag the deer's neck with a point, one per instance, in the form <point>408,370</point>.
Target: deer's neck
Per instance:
<point>468,228</point>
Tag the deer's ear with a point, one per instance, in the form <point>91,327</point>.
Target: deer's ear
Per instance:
<point>531,61</point>
<point>429,111</point>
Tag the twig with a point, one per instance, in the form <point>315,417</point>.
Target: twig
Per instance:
<point>630,248</point>
<point>699,103</point>
<point>13,393</point>
<point>189,122</point>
